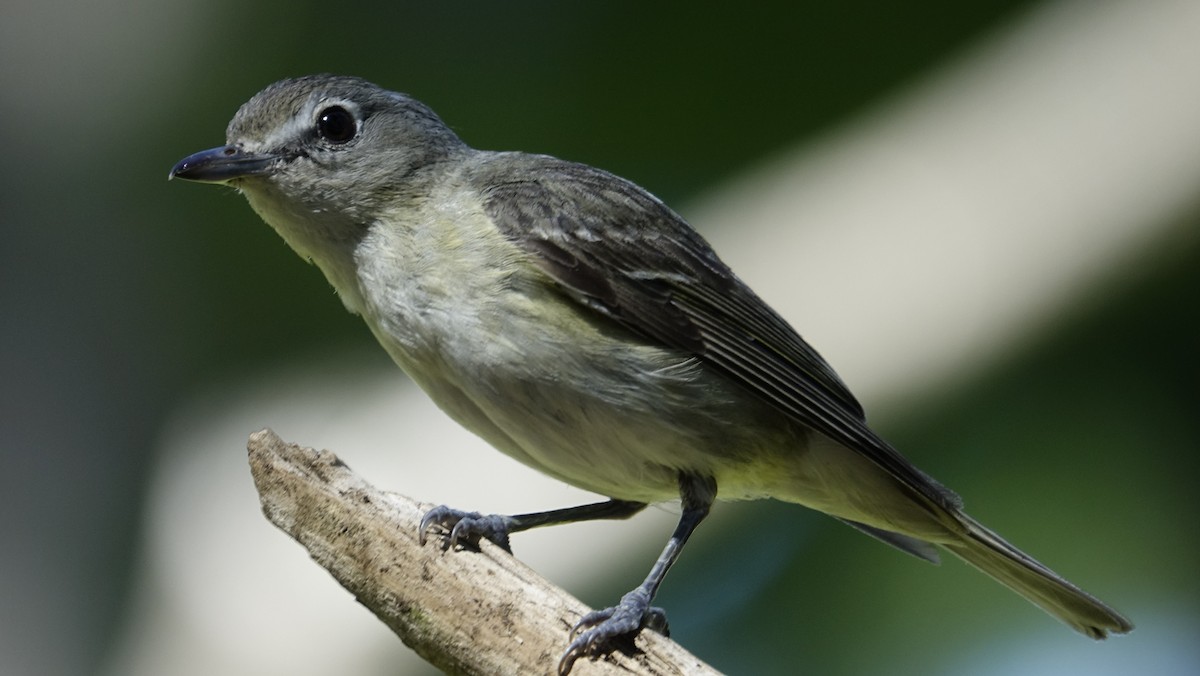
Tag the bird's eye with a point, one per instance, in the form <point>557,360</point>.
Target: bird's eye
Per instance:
<point>336,125</point>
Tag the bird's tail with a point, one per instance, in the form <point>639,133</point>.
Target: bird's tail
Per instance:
<point>1019,572</point>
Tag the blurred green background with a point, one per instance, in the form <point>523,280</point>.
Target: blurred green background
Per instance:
<point>123,295</point>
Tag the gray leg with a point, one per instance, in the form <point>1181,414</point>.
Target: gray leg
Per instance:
<point>468,527</point>
<point>634,611</point>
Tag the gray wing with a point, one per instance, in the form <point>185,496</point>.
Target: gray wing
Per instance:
<point>621,252</point>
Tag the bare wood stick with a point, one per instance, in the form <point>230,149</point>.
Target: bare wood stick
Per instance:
<point>465,612</point>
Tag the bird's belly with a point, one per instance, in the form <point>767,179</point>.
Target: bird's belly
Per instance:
<point>620,419</point>
<point>630,448</point>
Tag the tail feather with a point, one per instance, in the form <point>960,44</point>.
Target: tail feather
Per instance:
<point>1043,587</point>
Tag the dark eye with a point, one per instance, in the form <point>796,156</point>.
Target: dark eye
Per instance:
<point>336,125</point>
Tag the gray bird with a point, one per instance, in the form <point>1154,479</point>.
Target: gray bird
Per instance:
<point>579,325</point>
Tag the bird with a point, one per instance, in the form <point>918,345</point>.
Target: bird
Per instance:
<point>579,325</point>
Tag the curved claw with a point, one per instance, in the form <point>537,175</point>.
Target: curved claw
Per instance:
<point>465,527</point>
<point>656,621</point>
<point>600,627</point>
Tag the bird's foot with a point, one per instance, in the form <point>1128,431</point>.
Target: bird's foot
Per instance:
<point>465,527</point>
<point>601,627</point>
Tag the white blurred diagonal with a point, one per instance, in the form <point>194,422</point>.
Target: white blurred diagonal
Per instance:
<point>936,230</point>
<point>907,246</point>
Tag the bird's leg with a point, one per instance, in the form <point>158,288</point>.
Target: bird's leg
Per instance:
<point>468,527</point>
<point>634,612</point>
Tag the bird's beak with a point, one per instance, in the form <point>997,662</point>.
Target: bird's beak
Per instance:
<point>221,165</point>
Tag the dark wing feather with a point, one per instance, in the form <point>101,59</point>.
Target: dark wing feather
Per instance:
<point>620,251</point>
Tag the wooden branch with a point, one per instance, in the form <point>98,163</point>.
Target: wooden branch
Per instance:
<point>465,612</point>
